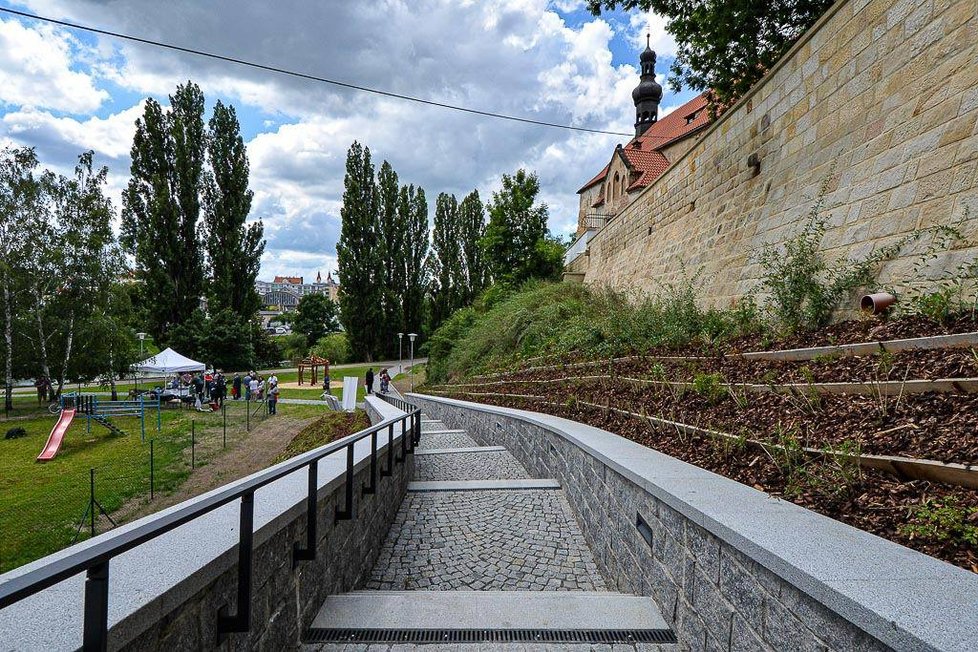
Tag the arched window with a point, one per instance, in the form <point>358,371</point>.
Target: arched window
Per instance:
<point>617,181</point>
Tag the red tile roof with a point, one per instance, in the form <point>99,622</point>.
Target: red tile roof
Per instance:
<point>294,280</point>
<point>642,154</point>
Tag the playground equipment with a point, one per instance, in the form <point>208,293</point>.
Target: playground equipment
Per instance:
<point>57,435</point>
<point>313,363</point>
<point>101,412</point>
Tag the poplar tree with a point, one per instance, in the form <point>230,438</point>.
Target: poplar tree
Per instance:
<point>234,249</point>
<point>446,265</point>
<point>393,226</point>
<point>472,226</point>
<point>161,208</point>
<point>413,206</point>
<point>359,255</point>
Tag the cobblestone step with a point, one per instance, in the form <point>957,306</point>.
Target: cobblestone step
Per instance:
<point>430,441</point>
<point>489,610</point>
<point>492,465</point>
<point>513,540</point>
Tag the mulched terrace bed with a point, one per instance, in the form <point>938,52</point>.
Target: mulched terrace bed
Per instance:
<point>909,365</point>
<point>942,427</point>
<point>876,502</point>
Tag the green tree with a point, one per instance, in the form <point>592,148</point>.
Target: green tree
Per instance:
<point>334,347</point>
<point>726,46</point>
<point>392,223</point>
<point>315,316</point>
<point>516,225</point>
<point>161,208</point>
<point>448,282</point>
<point>472,228</point>
<point>233,249</point>
<point>414,208</point>
<point>358,255</point>
<point>20,194</point>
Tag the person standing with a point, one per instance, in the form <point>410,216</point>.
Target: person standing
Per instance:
<point>221,386</point>
<point>272,397</point>
<point>370,380</point>
<point>236,387</point>
<point>253,388</point>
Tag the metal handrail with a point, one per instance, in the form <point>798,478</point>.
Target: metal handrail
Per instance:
<point>94,559</point>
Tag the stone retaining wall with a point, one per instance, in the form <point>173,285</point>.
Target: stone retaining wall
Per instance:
<point>165,594</point>
<point>879,101</point>
<point>730,567</point>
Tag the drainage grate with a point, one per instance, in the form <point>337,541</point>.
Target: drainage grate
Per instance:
<point>315,635</point>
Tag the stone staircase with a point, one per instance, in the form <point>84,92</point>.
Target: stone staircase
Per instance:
<point>482,556</point>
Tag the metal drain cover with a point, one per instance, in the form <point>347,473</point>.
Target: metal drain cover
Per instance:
<point>320,635</point>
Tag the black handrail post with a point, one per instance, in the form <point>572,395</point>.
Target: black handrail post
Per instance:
<point>224,417</point>
<point>151,464</point>
<point>385,472</point>
<point>241,620</point>
<point>193,444</point>
<point>309,552</point>
<point>96,629</point>
<point>417,427</point>
<point>404,436</point>
<point>346,513</point>
<point>372,487</point>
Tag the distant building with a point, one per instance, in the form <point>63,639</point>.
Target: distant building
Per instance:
<point>284,292</point>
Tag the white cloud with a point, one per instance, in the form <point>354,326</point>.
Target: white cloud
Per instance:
<point>511,56</point>
<point>36,71</point>
<point>648,22</point>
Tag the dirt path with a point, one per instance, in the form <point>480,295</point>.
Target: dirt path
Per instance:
<point>254,453</point>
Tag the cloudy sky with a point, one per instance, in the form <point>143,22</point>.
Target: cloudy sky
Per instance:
<point>64,92</point>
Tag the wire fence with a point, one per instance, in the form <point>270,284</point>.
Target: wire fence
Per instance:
<point>85,500</point>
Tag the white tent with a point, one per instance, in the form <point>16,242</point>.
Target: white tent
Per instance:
<point>168,361</point>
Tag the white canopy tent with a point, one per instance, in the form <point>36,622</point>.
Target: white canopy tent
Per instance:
<point>168,361</point>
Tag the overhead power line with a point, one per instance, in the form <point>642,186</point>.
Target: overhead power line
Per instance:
<point>302,75</point>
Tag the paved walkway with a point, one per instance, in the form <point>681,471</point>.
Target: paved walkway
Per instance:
<point>514,558</point>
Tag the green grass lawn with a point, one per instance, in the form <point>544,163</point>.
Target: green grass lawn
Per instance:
<point>42,504</point>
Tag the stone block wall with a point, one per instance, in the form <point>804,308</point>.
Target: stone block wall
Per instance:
<point>714,595</point>
<point>878,101</point>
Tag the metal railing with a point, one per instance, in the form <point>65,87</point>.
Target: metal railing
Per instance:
<point>595,220</point>
<point>398,402</point>
<point>94,559</point>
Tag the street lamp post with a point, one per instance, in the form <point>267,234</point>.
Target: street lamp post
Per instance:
<point>411,337</point>
<point>400,345</point>
<point>141,336</point>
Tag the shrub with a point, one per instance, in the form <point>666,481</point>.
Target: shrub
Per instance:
<point>709,386</point>
<point>804,289</point>
<point>335,347</point>
<point>15,433</point>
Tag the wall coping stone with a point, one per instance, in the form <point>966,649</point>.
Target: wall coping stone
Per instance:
<point>904,598</point>
<point>151,580</point>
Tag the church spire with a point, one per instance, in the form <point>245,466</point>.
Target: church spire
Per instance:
<point>648,93</point>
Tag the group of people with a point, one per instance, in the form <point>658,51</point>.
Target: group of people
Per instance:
<point>385,380</point>
<point>252,387</point>
<point>212,389</point>
<point>44,389</point>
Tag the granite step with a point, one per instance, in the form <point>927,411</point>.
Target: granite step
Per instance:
<point>480,617</point>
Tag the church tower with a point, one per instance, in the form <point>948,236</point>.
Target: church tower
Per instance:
<point>647,94</point>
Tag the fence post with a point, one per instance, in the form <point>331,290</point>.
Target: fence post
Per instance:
<point>142,417</point>
<point>193,444</point>
<point>248,408</point>
<point>91,500</point>
<point>159,414</point>
<point>224,416</point>
<point>151,464</point>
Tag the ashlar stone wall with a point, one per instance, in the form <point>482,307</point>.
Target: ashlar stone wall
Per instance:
<point>878,101</point>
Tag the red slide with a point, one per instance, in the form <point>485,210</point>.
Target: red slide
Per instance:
<point>57,435</point>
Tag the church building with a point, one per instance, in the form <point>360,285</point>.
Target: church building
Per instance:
<point>643,159</point>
